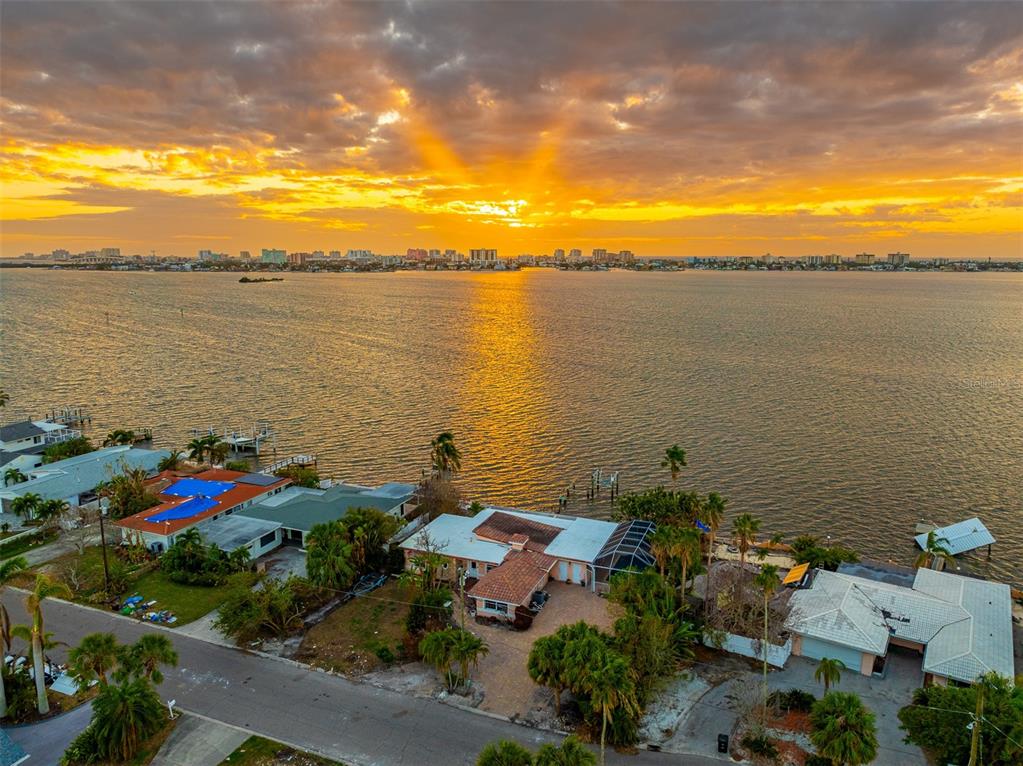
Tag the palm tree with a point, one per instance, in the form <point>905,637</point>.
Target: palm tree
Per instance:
<point>170,463</point>
<point>843,730</point>
<point>329,556</point>
<point>829,671</point>
<point>119,436</point>
<point>124,717</point>
<point>713,516</point>
<point>9,568</point>
<point>94,657</point>
<point>504,753</point>
<point>196,450</point>
<point>571,753</point>
<point>744,534</point>
<point>13,476</point>
<point>437,649</point>
<point>447,459</point>
<point>768,581</point>
<point>687,551</point>
<point>546,666</point>
<point>674,460</point>
<point>468,648</point>
<point>662,545</point>
<point>44,588</point>
<point>218,452</point>
<point>610,687</point>
<point>145,656</point>
<point>50,512</point>
<point>26,505</point>
<point>934,548</point>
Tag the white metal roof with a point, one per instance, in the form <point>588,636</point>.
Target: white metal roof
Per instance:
<point>960,537</point>
<point>580,539</point>
<point>965,624</point>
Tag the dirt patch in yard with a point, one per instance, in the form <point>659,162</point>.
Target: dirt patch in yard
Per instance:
<point>358,637</point>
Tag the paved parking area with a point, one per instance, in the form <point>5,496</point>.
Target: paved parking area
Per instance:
<point>502,673</point>
<point>285,561</point>
<point>716,711</point>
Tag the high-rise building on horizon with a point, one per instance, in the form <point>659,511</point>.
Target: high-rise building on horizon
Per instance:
<point>273,255</point>
<point>483,257</point>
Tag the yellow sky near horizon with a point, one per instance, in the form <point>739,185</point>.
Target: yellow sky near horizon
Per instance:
<point>448,143</point>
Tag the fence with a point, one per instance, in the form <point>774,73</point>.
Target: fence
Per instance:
<point>750,647</point>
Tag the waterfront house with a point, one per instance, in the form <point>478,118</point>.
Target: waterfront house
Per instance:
<point>212,495</point>
<point>506,555</point>
<point>298,509</point>
<point>75,479</point>
<point>960,626</point>
<point>34,435</point>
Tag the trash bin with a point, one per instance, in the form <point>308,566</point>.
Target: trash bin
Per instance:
<point>722,743</point>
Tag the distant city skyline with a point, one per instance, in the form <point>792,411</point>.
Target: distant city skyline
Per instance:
<point>667,129</point>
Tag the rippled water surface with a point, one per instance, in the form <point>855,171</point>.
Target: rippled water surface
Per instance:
<point>847,404</point>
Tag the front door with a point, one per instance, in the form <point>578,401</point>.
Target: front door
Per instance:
<point>563,571</point>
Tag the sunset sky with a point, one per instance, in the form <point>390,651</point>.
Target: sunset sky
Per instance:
<point>664,128</point>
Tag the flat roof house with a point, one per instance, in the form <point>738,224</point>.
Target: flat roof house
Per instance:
<point>961,626</point>
<point>509,555</point>
<point>186,501</point>
<point>74,479</point>
<point>298,509</point>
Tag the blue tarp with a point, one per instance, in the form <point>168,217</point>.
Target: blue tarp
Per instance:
<point>186,510</point>
<point>194,487</point>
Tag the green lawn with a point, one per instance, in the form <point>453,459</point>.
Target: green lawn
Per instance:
<point>188,602</point>
<point>257,751</point>
<point>19,546</point>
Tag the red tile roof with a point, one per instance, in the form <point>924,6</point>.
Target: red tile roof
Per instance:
<point>237,495</point>
<point>515,579</point>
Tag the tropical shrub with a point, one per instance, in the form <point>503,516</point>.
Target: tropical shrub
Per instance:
<point>759,744</point>
<point>806,549</point>
<point>70,448</point>
<point>275,609</point>
<point>430,610</point>
<point>300,477</point>
<point>842,729</point>
<point>191,562</point>
<point>791,699</point>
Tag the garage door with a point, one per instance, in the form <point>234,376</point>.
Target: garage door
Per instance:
<point>817,650</point>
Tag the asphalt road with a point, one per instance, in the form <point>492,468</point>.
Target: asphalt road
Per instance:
<point>355,723</point>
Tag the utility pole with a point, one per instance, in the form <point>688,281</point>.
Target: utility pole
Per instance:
<point>103,545</point>
<point>975,726</point>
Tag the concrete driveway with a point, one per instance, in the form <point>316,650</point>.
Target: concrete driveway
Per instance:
<point>717,710</point>
<point>502,673</point>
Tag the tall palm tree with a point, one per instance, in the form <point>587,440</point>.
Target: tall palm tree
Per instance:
<point>687,551</point>
<point>468,648</point>
<point>124,716</point>
<point>447,458</point>
<point>26,505</point>
<point>713,516</point>
<point>94,658</point>
<point>546,666</point>
<point>662,544</point>
<point>610,687</point>
<point>934,548</point>
<point>329,556</point>
<point>842,729</point>
<point>768,581</point>
<point>674,460</point>
<point>44,588</point>
<point>504,753</point>
<point>50,512</point>
<point>218,452</point>
<point>9,568</point>
<point>196,449</point>
<point>744,534</point>
<point>145,656</point>
<point>572,752</point>
<point>13,476</point>
<point>829,671</point>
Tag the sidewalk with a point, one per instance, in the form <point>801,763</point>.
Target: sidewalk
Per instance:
<point>198,742</point>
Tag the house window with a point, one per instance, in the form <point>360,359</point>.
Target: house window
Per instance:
<point>495,606</point>
<point>266,539</point>
<point>473,565</point>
